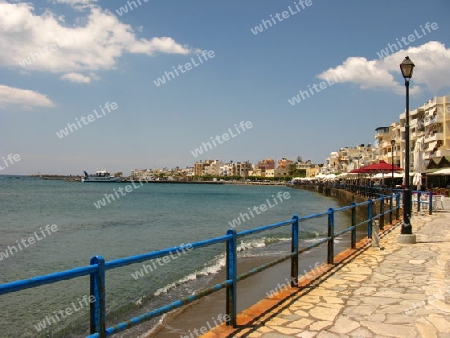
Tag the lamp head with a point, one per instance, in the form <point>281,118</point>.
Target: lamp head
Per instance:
<point>407,67</point>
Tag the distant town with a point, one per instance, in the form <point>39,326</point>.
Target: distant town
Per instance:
<point>430,146</point>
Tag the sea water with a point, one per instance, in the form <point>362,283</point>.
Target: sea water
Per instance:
<point>51,225</point>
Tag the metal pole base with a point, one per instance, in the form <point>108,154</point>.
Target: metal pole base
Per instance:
<point>376,235</point>
<point>406,239</point>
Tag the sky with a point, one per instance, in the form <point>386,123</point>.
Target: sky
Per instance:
<point>123,85</point>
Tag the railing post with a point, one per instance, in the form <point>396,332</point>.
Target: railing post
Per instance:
<point>294,251</point>
<point>390,208</point>
<point>231,274</point>
<point>418,201</point>
<point>98,295</point>
<point>397,206</point>
<point>369,218</point>
<point>430,204</point>
<point>353,240</point>
<point>330,258</point>
<point>381,212</point>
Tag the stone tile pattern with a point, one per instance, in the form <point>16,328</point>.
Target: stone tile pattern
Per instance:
<point>400,291</point>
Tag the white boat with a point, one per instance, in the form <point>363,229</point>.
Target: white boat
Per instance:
<point>100,176</point>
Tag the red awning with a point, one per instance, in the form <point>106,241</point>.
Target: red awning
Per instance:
<point>381,167</point>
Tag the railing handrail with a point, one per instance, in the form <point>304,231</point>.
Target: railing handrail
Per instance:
<point>98,266</point>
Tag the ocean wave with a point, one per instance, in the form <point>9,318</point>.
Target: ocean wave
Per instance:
<point>210,268</point>
<point>216,264</point>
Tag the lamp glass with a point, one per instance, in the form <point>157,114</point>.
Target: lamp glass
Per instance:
<point>407,67</point>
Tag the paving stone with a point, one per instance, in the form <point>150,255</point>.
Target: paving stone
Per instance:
<point>441,305</point>
<point>317,326</point>
<point>402,291</point>
<point>425,330</point>
<point>379,300</point>
<point>379,318</point>
<point>364,310</point>
<point>439,323</point>
<point>361,332</point>
<point>300,324</point>
<point>277,321</point>
<point>286,330</point>
<point>307,334</point>
<point>291,317</point>
<point>344,325</point>
<point>327,335</point>
<point>275,335</point>
<point>390,330</point>
<point>324,313</point>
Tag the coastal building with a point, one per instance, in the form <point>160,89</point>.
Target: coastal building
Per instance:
<point>142,175</point>
<point>429,128</point>
<point>213,168</point>
<point>243,168</point>
<point>311,169</point>
<point>284,163</point>
<point>268,163</point>
<point>227,169</point>
<point>199,167</point>
<point>256,172</point>
<point>348,158</point>
<point>433,120</point>
<point>277,172</point>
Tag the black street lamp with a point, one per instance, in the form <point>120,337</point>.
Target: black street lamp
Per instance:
<point>392,161</point>
<point>407,67</point>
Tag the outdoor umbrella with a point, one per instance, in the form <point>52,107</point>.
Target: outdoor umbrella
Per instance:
<point>417,180</point>
<point>380,167</point>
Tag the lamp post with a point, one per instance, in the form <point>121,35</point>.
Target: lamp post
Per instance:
<point>392,161</point>
<point>406,235</point>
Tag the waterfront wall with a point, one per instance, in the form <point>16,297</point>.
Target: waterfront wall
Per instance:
<point>344,197</point>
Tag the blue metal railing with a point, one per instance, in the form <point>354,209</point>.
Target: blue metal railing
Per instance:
<point>98,265</point>
<point>416,195</point>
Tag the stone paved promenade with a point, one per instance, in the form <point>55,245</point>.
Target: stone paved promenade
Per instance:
<point>402,290</point>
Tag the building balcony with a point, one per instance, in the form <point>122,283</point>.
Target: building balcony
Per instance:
<point>381,132</point>
<point>434,119</point>
<point>434,137</point>
<point>442,152</point>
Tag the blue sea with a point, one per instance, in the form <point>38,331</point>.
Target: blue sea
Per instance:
<point>148,217</point>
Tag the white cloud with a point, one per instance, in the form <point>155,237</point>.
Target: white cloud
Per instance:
<point>25,98</point>
<point>78,4</point>
<point>75,77</point>
<point>74,2</point>
<point>432,71</point>
<point>94,46</point>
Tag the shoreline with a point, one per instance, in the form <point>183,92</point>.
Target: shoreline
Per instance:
<point>182,322</point>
